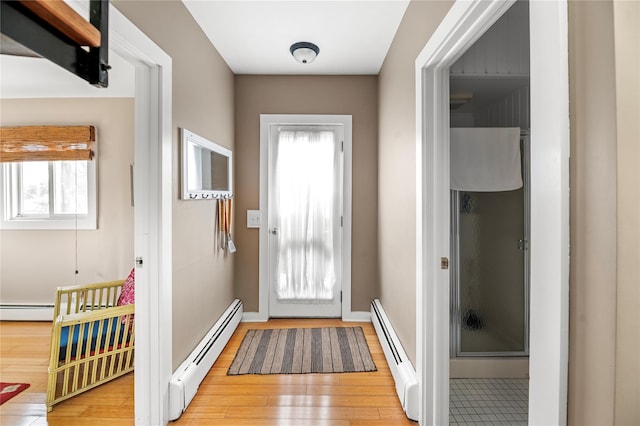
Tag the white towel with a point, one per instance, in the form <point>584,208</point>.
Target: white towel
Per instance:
<point>485,159</point>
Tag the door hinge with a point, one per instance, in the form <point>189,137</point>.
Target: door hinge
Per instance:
<point>342,146</point>
<point>341,221</point>
<point>523,244</point>
<point>340,296</point>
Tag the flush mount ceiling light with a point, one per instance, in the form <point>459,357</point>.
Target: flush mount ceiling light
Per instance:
<point>304,52</point>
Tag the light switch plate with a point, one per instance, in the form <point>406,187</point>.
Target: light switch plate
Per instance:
<point>253,219</point>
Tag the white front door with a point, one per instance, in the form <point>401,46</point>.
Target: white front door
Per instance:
<point>305,220</point>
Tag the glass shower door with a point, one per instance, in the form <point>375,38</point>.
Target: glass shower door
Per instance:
<point>491,292</point>
<point>490,273</point>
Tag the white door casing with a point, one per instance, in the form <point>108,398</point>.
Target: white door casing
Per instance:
<point>265,121</point>
<point>152,215</point>
<point>549,248</point>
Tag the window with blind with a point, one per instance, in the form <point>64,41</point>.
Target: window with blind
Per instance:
<point>48,177</point>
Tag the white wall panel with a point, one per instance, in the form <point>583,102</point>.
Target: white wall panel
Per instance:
<point>512,111</point>
<point>503,49</point>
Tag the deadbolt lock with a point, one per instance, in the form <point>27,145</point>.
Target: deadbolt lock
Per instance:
<point>444,263</point>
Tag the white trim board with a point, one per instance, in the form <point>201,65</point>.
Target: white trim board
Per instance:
<point>463,25</point>
<point>271,119</point>
<point>354,316</point>
<point>152,215</point>
<point>24,312</point>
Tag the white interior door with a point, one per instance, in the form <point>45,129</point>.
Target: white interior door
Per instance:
<point>305,220</point>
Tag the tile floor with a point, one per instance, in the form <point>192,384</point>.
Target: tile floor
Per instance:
<point>488,402</point>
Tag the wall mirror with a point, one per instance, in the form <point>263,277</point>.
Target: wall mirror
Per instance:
<point>206,168</point>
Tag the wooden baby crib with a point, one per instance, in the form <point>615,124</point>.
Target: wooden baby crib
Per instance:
<point>92,340</point>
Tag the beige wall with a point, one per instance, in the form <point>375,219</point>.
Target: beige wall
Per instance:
<point>604,367</point>
<point>626,18</point>
<point>353,95</point>
<point>592,310</point>
<point>604,296</point>
<point>202,103</point>
<point>397,168</point>
<point>34,262</point>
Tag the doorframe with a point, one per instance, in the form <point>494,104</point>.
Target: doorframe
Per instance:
<point>548,366</point>
<point>295,119</point>
<point>152,216</point>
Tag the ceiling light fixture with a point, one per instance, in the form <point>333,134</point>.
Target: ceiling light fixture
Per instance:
<point>304,52</point>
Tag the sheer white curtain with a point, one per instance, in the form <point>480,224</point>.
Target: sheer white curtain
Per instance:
<point>304,195</point>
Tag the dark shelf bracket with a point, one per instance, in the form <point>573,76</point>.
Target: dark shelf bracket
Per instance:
<point>27,29</point>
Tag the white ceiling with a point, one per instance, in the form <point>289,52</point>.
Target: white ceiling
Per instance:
<point>254,37</point>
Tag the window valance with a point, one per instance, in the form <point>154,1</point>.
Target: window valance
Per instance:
<point>46,143</point>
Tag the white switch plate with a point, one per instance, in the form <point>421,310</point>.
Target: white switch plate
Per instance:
<point>253,218</point>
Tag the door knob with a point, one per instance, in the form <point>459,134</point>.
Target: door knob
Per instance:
<point>274,231</point>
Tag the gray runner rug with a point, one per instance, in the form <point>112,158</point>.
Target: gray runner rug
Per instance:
<point>303,350</point>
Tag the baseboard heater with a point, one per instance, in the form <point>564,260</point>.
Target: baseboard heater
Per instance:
<point>187,378</point>
<point>25,312</point>
<point>402,371</point>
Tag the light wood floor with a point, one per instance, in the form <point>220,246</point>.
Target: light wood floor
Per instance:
<point>349,399</point>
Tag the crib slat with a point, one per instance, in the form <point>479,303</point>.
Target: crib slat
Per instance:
<point>87,369</point>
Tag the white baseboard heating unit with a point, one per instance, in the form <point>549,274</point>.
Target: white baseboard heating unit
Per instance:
<point>187,378</point>
<point>401,369</point>
<point>24,312</point>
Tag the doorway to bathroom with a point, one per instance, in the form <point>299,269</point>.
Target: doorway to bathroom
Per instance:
<point>465,23</point>
<point>489,233</point>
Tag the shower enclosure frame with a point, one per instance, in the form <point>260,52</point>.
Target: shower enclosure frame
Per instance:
<point>454,315</point>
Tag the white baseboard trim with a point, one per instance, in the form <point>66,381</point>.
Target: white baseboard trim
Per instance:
<point>254,317</point>
<point>22,312</point>
<point>489,368</point>
<point>357,316</point>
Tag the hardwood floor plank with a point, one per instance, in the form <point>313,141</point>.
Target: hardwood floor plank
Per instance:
<point>394,414</point>
<point>17,420</point>
<point>81,421</point>
<point>204,412</point>
<point>399,422</point>
<point>366,380</point>
<point>351,390</point>
<point>256,389</point>
<point>272,379</point>
<point>302,413</point>
<point>108,412</point>
<point>12,408</point>
<point>226,400</point>
<point>331,401</point>
<point>348,399</point>
<point>269,422</point>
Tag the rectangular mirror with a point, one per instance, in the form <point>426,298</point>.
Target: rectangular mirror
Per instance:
<point>206,168</point>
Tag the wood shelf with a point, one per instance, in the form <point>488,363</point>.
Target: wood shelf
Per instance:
<point>66,20</point>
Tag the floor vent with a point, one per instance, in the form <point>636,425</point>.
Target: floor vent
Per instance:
<point>24,312</point>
